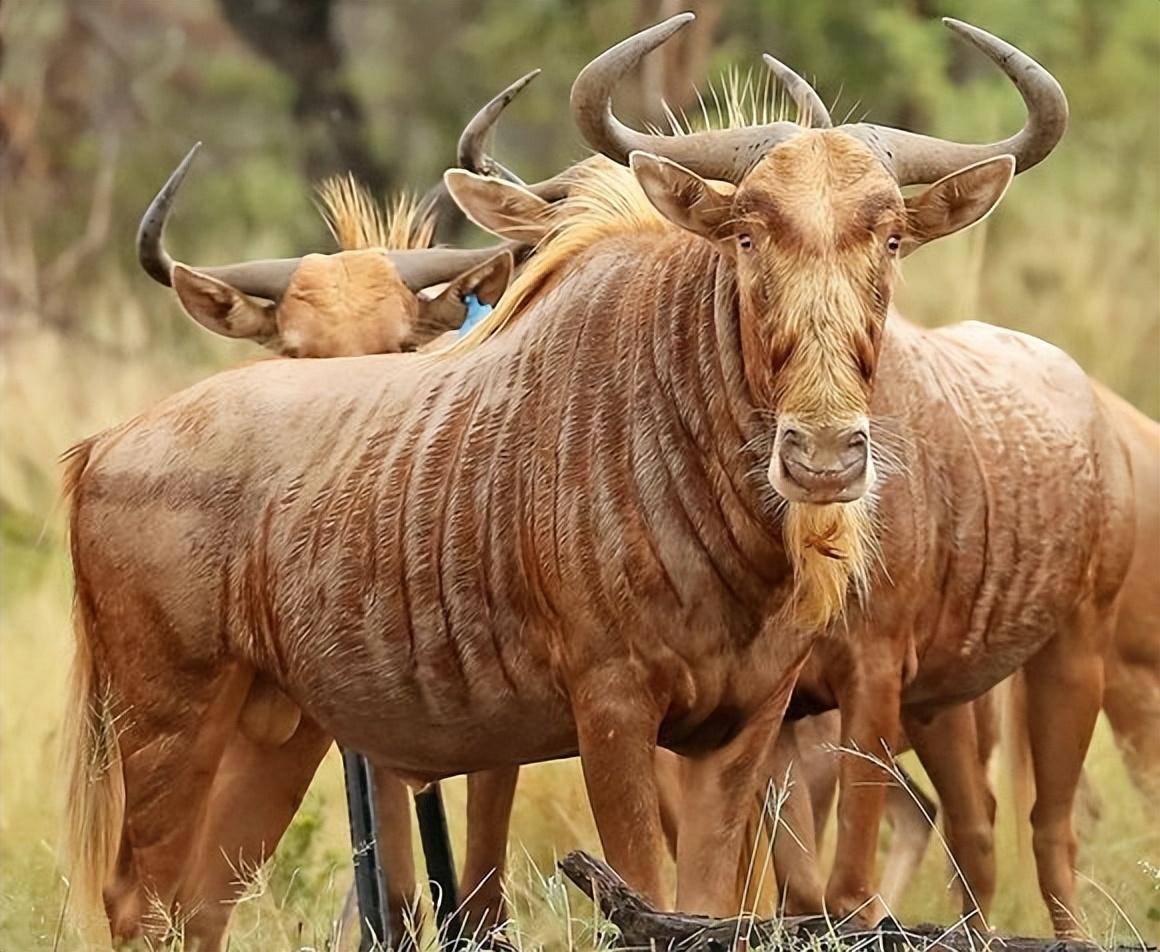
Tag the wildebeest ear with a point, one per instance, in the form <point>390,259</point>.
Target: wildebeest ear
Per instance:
<point>683,197</point>
<point>447,310</point>
<point>223,309</point>
<point>487,281</point>
<point>503,208</point>
<point>952,203</point>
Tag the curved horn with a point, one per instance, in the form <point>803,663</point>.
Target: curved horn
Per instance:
<point>150,245</point>
<point>471,153</point>
<point>919,159</point>
<point>430,266</point>
<point>267,279</point>
<point>812,110</point>
<point>270,278</point>
<point>726,154</point>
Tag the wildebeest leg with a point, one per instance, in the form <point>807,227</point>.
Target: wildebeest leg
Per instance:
<point>396,852</point>
<point>870,715</point>
<point>948,746</point>
<point>255,793</point>
<point>911,828</point>
<point>668,767</point>
<point>393,809</point>
<point>616,727</point>
<point>171,743</point>
<point>1064,689</point>
<point>795,848</point>
<point>489,811</point>
<point>1132,703</point>
<point>719,794</point>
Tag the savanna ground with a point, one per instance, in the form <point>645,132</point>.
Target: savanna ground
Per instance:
<point>99,100</point>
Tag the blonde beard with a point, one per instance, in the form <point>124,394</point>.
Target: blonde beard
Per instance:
<point>831,548</point>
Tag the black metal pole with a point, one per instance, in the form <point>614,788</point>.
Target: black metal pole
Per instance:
<point>369,877</point>
<point>440,861</point>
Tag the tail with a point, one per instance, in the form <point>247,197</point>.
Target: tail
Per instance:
<point>1015,743</point>
<point>96,793</point>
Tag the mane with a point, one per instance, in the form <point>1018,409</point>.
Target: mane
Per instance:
<point>605,201</point>
<point>738,100</point>
<point>358,222</point>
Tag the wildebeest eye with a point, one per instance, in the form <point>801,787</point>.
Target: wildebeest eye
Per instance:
<point>893,243</point>
<point>744,242</point>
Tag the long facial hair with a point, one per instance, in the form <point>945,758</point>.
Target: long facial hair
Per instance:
<point>832,547</point>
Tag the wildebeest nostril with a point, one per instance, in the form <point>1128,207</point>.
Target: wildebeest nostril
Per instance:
<point>824,462</point>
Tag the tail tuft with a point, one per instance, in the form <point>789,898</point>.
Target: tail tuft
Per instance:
<point>95,794</point>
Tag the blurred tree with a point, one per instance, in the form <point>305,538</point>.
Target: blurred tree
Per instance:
<point>99,100</point>
<point>672,77</point>
<point>298,38</point>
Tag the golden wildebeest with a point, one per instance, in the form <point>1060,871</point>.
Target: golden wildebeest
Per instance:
<point>918,650</point>
<point>339,305</point>
<point>345,304</point>
<point>568,538</point>
<point>957,743</point>
<point>954,749</point>
<point>842,669</point>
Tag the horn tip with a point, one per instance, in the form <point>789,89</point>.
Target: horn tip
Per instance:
<point>962,28</point>
<point>520,83</point>
<point>667,28</point>
<point>183,166</point>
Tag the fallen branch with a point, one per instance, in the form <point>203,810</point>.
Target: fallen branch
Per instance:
<point>643,927</point>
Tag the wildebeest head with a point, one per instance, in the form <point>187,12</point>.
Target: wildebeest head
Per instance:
<point>814,220</point>
<point>345,304</point>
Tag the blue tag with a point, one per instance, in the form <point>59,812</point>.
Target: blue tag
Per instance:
<point>476,312</point>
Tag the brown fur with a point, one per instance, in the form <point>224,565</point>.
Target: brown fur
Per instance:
<point>604,596</point>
